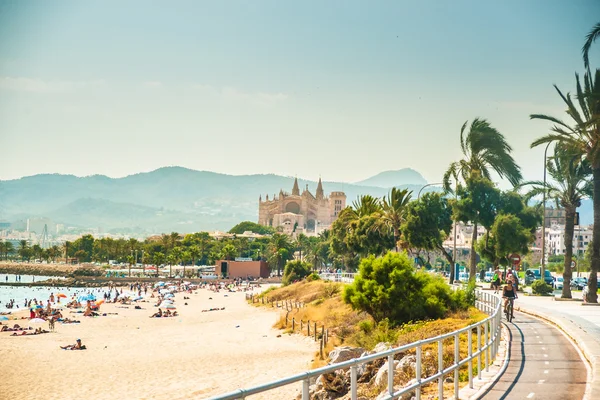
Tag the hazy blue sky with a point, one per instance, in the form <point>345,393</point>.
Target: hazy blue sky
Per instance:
<point>344,89</point>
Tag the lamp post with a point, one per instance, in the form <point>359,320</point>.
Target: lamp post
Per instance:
<point>429,184</point>
<point>543,266</point>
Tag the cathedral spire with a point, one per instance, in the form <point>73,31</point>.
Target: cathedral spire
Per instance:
<point>320,190</point>
<point>296,189</point>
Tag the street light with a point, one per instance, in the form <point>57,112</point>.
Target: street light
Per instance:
<point>543,266</point>
<point>429,184</point>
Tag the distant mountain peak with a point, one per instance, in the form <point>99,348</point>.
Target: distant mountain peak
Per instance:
<point>389,179</point>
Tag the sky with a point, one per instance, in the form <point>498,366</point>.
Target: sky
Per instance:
<point>338,89</point>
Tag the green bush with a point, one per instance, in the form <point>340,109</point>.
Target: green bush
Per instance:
<point>313,277</point>
<point>389,288</point>
<point>541,287</point>
<point>295,270</point>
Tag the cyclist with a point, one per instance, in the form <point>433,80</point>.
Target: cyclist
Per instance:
<point>509,292</point>
<point>496,281</point>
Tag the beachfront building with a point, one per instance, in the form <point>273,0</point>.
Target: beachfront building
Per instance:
<point>242,267</point>
<point>301,213</point>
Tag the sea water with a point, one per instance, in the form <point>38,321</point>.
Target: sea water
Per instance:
<point>20,293</point>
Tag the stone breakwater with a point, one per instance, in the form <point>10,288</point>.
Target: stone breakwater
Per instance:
<point>50,269</point>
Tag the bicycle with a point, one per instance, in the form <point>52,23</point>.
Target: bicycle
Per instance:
<point>509,309</point>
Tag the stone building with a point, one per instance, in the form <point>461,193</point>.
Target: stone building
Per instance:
<point>301,213</point>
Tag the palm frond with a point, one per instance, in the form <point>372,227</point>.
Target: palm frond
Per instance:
<point>589,40</point>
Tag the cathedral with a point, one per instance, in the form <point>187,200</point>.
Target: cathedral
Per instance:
<point>301,213</point>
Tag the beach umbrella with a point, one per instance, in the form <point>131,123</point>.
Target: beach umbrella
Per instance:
<point>169,307</point>
<point>87,297</point>
<point>169,295</point>
<point>37,320</point>
<point>61,295</point>
<point>157,284</point>
<point>3,318</point>
<point>138,298</point>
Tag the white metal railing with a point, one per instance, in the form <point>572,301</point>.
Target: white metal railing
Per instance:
<point>345,277</point>
<point>488,330</point>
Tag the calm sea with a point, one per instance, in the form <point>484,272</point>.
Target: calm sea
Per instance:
<point>20,293</point>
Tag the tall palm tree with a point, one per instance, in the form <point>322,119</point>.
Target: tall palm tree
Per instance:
<point>394,208</point>
<point>590,39</point>
<point>570,187</point>
<point>279,249</point>
<point>584,138</point>
<point>484,150</point>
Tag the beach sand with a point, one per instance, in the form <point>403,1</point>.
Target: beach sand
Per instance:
<point>131,356</point>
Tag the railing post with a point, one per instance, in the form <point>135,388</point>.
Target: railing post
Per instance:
<point>440,369</point>
<point>308,328</point>
<point>293,324</point>
<point>487,349</point>
<point>456,360</point>
<point>391,374</point>
<point>306,389</point>
<point>470,340</point>
<point>479,352</point>
<point>418,372</point>
<point>353,385</point>
<point>315,331</point>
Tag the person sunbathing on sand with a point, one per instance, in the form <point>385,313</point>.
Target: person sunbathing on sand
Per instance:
<point>76,346</point>
<point>158,314</point>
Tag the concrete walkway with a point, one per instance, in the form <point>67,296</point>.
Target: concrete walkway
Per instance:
<point>580,322</point>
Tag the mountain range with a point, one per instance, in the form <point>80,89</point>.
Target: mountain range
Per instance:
<point>168,199</point>
<point>176,199</point>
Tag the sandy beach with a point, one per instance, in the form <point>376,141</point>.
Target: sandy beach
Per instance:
<point>131,356</point>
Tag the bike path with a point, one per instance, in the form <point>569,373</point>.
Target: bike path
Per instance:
<point>542,364</point>
<point>580,322</point>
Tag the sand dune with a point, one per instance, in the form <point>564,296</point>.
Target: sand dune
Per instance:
<point>131,356</point>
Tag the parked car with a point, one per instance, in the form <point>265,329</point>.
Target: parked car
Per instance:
<point>578,283</point>
<point>558,282</point>
<point>463,276</point>
<point>532,275</point>
<point>488,276</point>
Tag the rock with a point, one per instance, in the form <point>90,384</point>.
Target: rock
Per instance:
<point>407,363</point>
<point>381,347</point>
<point>341,354</point>
<point>383,371</point>
<point>335,382</point>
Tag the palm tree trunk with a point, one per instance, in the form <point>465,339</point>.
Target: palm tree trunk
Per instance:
<point>592,296</point>
<point>567,272</point>
<point>473,255</point>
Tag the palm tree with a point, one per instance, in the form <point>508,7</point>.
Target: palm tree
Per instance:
<point>171,259</point>
<point>394,210</point>
<point>279,248</point>
<point>158,259</point>
<point>177,254</point>
<point>571,186</point>
<point>23,249</point>
<point>584,139</point>
<point>590,39</point>
<point>484,149</point>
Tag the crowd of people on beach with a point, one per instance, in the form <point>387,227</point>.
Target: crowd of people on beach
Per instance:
<point>85,303</point>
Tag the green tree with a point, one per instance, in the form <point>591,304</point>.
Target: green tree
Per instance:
<point>428,223</point>
<point>246,226</point>
<point>570,186</point>
<point>394,208</point>
<point>229,252</point>
<point>583,138</point>
<point>158,259</point>
<point>295,270</point>
<point>389,288</point>
<point>279,250</point>
<point>477,203</point>
<point>484,149</point>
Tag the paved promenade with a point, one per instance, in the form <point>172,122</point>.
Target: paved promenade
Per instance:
<point>580,322</point>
